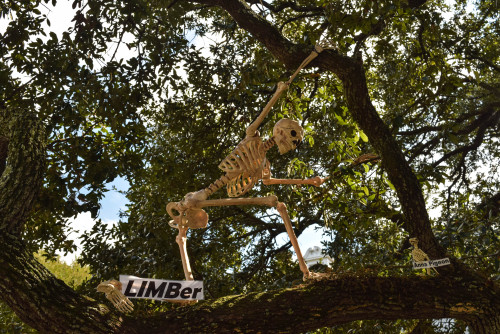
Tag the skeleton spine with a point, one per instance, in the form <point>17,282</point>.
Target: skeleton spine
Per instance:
<point>268,144</point>
<point>222,181</point>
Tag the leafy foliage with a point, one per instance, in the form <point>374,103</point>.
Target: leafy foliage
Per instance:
<point>165,114</point>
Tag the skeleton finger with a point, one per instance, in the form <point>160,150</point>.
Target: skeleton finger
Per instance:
<point>128,305</point>
<point>125,307</point>
<point>114,299</point>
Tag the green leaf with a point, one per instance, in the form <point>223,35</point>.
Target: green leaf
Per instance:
<point>363,136</point>
<point>365,189</point>
<point>340,120</point>
<point>389,183</point>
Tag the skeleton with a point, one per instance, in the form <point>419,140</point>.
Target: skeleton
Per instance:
<point>243,168</point>
<point>113,291</point>
<point>419,255</point>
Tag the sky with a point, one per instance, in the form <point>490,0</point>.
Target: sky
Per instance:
<point>60,17</point>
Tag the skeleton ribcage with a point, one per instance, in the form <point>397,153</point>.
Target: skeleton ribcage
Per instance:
<point>419,255</point>
<point>243,166</point>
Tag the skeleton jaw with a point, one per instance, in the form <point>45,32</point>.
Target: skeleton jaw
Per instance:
<point>284,146</point>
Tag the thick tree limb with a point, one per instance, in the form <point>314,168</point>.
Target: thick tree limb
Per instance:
<point>43,301</point>
<point>50,306</point>
<point>22,177</point>
<point>328,303</point>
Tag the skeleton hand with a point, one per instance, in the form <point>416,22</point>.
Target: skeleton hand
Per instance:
<point>318,181</point>
<point>112,289</point>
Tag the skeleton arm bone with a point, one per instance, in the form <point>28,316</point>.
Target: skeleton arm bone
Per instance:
<point>255,125</point>
<point>267,179</point>
<point>317,50</point>
<point>315,181</point>
<point>282,86</point>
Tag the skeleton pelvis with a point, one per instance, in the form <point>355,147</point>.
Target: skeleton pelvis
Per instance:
<point>182,217</point>
<point>196,218</point>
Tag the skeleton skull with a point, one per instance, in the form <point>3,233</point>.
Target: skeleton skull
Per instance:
<point>288,135</point>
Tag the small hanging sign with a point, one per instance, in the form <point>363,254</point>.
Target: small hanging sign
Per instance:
<point>431,263</point>
<point>158,289</point>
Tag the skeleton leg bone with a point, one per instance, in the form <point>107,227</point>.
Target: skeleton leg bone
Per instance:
<point>184,220</point>
<point>271,201</point>
<point>181,241</point>
<point>113,291</point>
<point>268,200</point>
<point>293,239</point>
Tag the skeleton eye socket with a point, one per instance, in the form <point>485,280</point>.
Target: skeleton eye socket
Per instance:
<point>293,133</point>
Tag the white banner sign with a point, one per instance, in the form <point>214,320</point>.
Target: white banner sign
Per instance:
<point>158,289</point>
<point>431,263</point>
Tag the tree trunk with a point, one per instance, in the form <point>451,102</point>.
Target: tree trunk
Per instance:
<point>22,177</point>
<point>486,325</point>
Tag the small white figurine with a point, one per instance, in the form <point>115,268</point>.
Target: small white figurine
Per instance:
<point>113,291</point>
<point>243,168</point>
<point>419,255</point>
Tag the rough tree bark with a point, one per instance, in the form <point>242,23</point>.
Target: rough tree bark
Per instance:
<point>39,299</point>
<point>50,306</point>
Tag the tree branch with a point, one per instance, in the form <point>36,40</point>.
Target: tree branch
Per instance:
<point>289,4</point>
<point>476,142</point>
<point>297,18</point>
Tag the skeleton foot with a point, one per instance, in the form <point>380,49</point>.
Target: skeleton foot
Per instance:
<point>315,276</point>
<point>113,292</point>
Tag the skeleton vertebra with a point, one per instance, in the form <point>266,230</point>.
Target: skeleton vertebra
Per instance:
<point>113,292</point>
<point>246,165</point>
